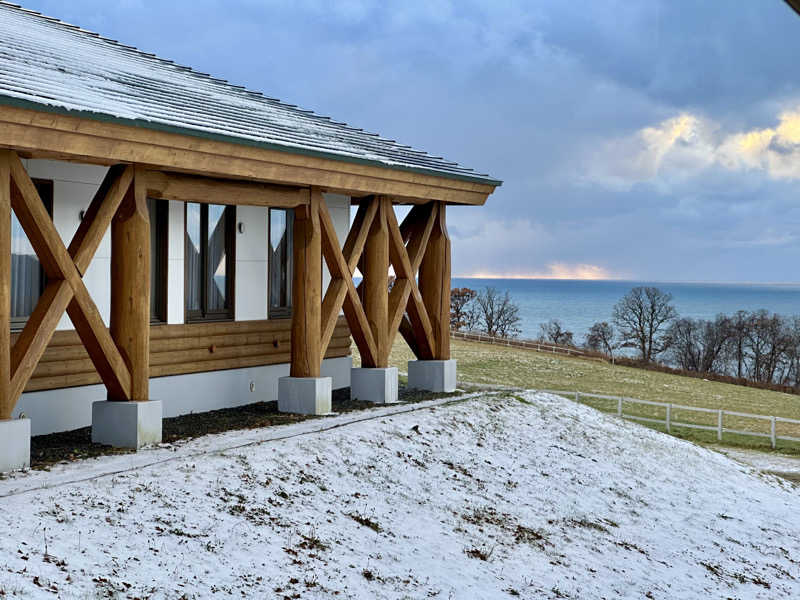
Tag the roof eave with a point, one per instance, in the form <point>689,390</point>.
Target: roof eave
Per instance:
<point>155,126</point>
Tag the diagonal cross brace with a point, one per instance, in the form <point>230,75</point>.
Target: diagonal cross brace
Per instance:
<point>66,290</point>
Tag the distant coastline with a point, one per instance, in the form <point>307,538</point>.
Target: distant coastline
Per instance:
<point>578,303</point>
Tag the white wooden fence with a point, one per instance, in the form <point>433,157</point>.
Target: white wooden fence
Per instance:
<point>669,422</point>
<point>475,336</point>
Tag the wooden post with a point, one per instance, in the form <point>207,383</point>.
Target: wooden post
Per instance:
<point>773,440</point>
<point>307,289</point>
<point>719,425</point>
<point>130,286</point>
<point>376,284</point>
<point>669,418</point>
<point>434,284</point>
<point>6,401</point>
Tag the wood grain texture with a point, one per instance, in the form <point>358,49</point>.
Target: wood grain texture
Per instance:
<point>338,263</point>
<point>307,289</point>
<point>130,287</point>
<point>47,135</point>
<point>65,362</point>
<point>189,188</point>
<point>415,307</point>
<point>6,400</point>
<point>98,216</point>
<point>434,284</point>
<point>375,292</point>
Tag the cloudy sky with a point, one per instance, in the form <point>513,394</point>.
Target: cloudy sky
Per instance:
<point>637,139</point>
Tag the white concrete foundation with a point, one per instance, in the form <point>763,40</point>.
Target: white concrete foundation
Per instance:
<point>374,385</point>
<point>126,424</point>
<point>432,375</point>
<point>15,445</point>
<point>305,395</point>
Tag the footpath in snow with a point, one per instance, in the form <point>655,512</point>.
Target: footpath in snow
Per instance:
<point>528,496</point>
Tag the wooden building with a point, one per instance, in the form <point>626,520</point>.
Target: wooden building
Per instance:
<point>172,243</point>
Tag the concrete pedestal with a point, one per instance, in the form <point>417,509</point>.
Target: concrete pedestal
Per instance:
<point>15,445</point>
<point>305,395</point>
<point>374,385</point>
<point>432,375</point>
<point>126,424</point>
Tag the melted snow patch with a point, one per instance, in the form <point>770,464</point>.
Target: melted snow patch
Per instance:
<point>531,496</point>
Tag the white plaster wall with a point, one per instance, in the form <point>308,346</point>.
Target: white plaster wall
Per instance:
<point>251,263</point>
<point>175,273</point>
<point>74,186</point>
<point>71,408</point>
<point>339,209</point>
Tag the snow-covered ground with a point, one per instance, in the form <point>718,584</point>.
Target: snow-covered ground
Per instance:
<point>493,497</point>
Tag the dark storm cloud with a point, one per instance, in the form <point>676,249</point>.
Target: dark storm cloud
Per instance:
<point>551,97</point>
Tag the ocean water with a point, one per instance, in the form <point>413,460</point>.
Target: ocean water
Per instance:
<point>579,304</point>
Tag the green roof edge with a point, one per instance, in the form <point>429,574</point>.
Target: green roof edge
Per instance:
<point>153,125</point>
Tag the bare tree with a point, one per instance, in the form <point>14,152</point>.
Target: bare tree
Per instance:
<point>699,345</point>
<point>553,331</point>
<point>497,314</point>
<point>600,338</point>
<point>739,327</point>
<point>642,316</point>
<point>766,345</point>
<point>463,313</point>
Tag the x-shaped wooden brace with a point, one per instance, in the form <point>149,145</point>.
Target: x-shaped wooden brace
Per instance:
<point>65,290</point>
<point>341,292</point>
<point>406,249</point>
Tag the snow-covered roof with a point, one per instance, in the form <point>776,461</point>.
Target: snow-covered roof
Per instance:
<point>46,64</point>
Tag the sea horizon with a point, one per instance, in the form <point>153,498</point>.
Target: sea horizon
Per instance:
<point>578,303</point>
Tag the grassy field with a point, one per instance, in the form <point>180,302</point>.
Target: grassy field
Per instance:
<point>488,364</point>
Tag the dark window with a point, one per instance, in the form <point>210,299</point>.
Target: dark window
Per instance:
<point>159,214</point>
<point>281,222</point>
<point>27,275</point>
<point>209,260</point>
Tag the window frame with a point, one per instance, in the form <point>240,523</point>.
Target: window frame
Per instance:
<point>18,323</point>
<point>281,312</point>
<point>202,315</point>
<point>160,260</point>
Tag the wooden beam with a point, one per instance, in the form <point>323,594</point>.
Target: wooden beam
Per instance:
<point>338,264</point>
<point>98,216</point>
<point>417,312</point>
<point>43,134</point>
<point>6,399</point>
<point>38,225</point>
<point>188,188</point>
<point>130,288</point>
<point>375,294</point>
<point>434,284</point>
<point>307,289</point>
<point>97,340</point>
<point>418,232</point>
<point>36,334</point>
<point>357,236</point>
<point>331,305</point>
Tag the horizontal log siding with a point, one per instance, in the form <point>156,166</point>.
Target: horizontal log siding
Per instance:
<point>181,349</point>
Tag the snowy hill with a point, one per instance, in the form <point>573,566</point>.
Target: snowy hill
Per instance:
<point>493,497</point>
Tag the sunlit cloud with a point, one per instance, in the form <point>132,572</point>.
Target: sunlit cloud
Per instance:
<point>555,270</point>
<point>687,144</point>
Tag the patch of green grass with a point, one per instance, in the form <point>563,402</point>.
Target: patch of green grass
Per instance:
<point>505,366</point>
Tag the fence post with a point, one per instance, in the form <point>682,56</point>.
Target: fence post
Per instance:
<point>772,432</point>
<point>619,406</point>
<point>669,418</point>
<point>719,425</point>
<point>577,396</point>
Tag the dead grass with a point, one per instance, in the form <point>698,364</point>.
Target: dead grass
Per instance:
<point>498,365</point>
